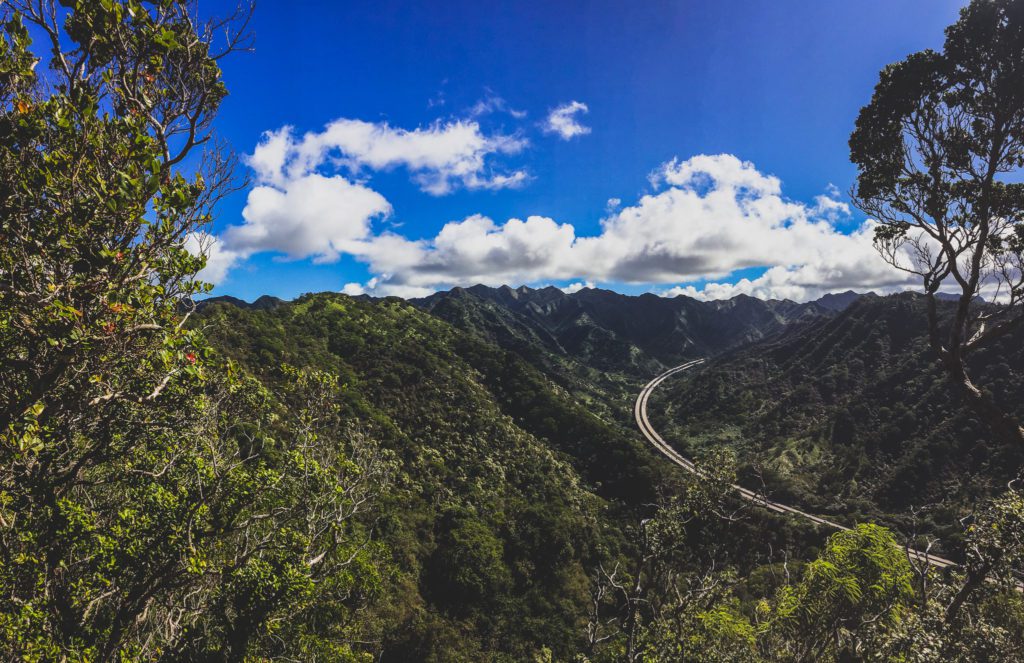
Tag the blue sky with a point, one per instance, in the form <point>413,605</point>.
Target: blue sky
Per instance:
<point>767,90</point>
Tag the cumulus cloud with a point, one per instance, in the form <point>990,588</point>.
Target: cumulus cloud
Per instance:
<point>308,216</point>
<point>440,157</point>
<point>843,262</point>
<point>830,208</point>
<point>309,200</point>
<point>706,218</point>
<point>562,120</point>
<point>474,250</point>
<point>355,289</point>
<point>711,216</point>
<point>311,215</point>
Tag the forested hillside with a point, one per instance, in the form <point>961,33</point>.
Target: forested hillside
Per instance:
<point>599,345</point>
<point>851,416</point>
<point>498,512</point>
<point>836,406</point>
<point>510,499</point>
<point>515,513</point>
<point>458,478</point>
<point>611,331</point>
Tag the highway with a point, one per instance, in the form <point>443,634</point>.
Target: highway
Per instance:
<point>640,413</point>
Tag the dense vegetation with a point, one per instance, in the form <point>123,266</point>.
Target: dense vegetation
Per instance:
<point>491,533</point>
<point>939,153</point>
<point>614,333</point>
<point>342,479</point>
<point>850,416</point>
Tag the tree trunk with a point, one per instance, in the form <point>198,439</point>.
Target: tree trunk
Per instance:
<point>974,580</point>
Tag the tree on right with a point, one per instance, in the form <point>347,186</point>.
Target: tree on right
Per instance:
<point>940,154</point>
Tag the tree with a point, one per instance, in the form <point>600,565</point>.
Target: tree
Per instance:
<point>666,604</point>
<point>861,581</point>
<point>994,544</point>
<point>155,502</point>
<point>938,149</point>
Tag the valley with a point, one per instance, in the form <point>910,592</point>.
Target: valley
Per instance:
<point>516,411</point>
<point>757,498</point>
<point>264,398</point>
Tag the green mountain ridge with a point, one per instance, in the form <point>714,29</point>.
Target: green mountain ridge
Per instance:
<point>494,519</point>
<point>850,416</point>
<point>638,335</point>
<point>513,488</point>
<point>510,414</point>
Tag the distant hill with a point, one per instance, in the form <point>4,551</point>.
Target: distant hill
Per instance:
<point>840,301</point>
<point>637,335</point>
<point>262,303</point>
<point>850,415</point>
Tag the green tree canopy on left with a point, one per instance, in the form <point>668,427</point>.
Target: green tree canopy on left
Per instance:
<point>155,503</point>
<point>95,215</point>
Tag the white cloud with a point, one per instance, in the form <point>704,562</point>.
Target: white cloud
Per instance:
<point>355,289</point>
<point>439,157</point>
<point>311,215</point>
<point>271,155</point>
<point>219,259</point>
<point>830,208</point>
<point>562,120</point>
<point>474,250</point>
<point>706,172</point>
<point>494,104</point>
<point>709,216</point>
<point>715,215</point>
<point>307,201</point>
<point>577,286</point>
<point>843,262</point>
<point>437,100</point>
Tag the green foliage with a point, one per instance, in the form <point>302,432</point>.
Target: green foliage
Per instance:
<point>861,579</point>
<point>468,565</point>
<point>994,542</point>
<point>155,501</point>
<point>840,414</point>
<point>850,416</point>
<point>940,151</point>
<point>491,530</point>
<point>716,634</point>
<point>353,480</point>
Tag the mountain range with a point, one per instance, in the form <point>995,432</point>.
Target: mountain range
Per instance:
<point>605,328</point>
<point>519,467</point>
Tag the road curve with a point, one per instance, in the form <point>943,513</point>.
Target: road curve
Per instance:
<point>640,413</point>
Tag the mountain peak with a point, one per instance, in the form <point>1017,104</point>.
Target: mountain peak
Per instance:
<point>840,301</point>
